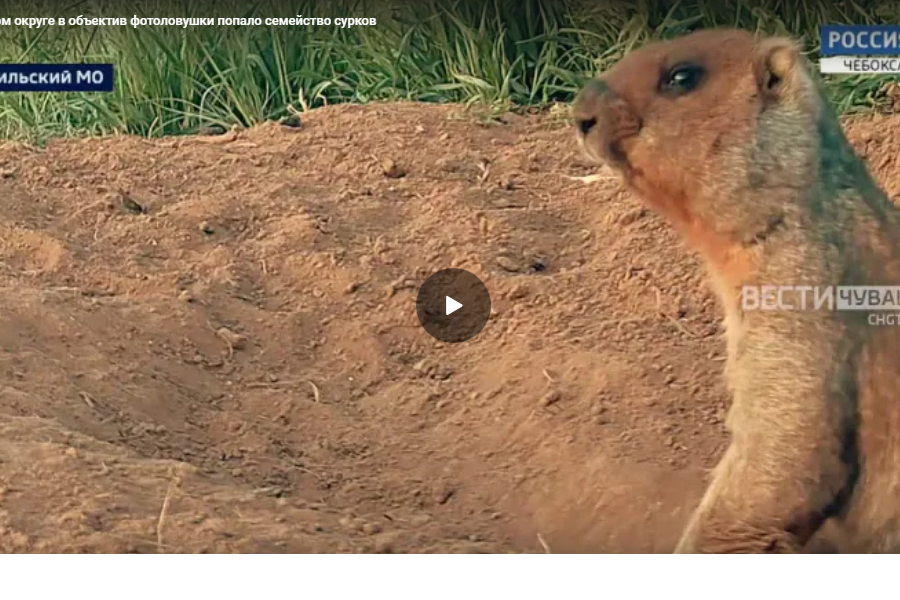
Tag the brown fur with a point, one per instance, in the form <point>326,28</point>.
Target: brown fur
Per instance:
<point>754,171</point>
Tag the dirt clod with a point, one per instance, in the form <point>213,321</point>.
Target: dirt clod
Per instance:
<point>292,121</point>
<point>130,204</point>
<point>551,397</point>
<point>392,170</point>
<point>371,528</point>
<point>235,340</point>
<point>212,130</point>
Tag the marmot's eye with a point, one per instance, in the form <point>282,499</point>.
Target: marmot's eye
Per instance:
<point>681,79</point>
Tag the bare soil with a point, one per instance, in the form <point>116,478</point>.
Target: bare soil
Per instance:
<point>211,345</point>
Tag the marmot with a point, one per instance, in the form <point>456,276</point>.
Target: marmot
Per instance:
<point>730,137</point>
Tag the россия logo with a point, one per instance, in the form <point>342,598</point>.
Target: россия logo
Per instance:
<point>873,49</point>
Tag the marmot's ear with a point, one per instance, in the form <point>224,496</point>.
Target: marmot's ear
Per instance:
<point>777,61</point>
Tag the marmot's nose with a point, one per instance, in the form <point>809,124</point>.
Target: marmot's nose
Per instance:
<point>586,104</point>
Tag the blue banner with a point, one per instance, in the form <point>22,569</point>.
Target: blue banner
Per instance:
<point>860,40</point>
<point>56,78</point>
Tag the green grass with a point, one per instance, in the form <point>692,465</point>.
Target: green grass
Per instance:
<point>500,53</point>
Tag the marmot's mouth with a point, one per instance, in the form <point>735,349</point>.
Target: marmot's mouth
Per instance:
<point>588,151</point>
<point>609,154</point>
<point>609,145</point>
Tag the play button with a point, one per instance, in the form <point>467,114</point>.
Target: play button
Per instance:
<point>453,305</point>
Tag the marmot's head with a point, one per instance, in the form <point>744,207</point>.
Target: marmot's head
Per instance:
<point>694,124</point>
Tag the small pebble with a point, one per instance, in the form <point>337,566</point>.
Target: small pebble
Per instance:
<point>507,183</point>
<point>508,264</point>
<point>291,121</point>
<point>549,398</point>
<point>235,340</point>
<point>517,292</point>
<point>385,544</point>
<point>443,494</point>
<point>420,520</point>
<point>371,528</point>
<point>212,130</point>
<point>392,170</point>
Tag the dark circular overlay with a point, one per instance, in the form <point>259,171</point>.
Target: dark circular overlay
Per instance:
<point>461,287</point>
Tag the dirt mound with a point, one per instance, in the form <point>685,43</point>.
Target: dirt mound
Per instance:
<point>211,344</point>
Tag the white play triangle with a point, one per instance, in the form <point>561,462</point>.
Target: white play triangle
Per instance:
<point>452,305</point>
